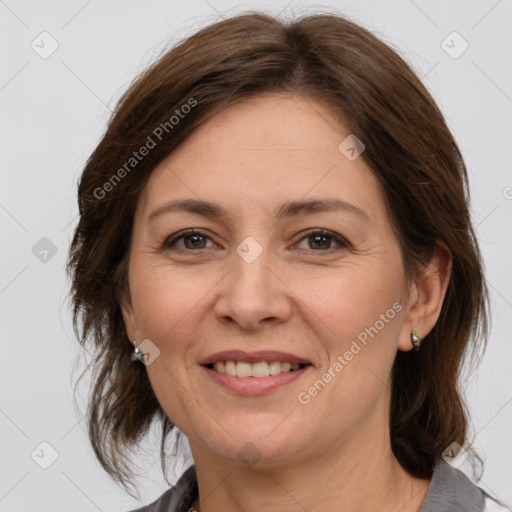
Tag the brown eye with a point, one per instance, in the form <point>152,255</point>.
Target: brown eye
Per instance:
<point>194,241</point>
<point>187,241</point>
<point>320,242</point>
<point>323,241</point>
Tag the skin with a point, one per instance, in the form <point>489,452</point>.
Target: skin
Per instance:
<point>308,297</point>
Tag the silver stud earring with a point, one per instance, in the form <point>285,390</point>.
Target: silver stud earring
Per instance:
<point>137,354</point>
<point>416,340</point>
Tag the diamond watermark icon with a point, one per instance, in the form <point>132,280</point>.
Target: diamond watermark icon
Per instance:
<point>455,455</point>
<point>44,250</point>
<point>146,352</point>
<point>249,249</point>
<point>454,45</point>
<point>44,45</point>
<point>351,147</point>
<point>249,454</point>
<point>44,455</point>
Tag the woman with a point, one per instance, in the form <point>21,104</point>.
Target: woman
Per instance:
<point>275,255</point>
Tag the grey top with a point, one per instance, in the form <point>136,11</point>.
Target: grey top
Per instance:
<point>450,491</point>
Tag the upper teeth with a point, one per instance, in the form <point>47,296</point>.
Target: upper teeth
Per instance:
<point>261,369</point>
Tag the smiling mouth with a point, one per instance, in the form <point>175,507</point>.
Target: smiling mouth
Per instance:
<point>261,369</point>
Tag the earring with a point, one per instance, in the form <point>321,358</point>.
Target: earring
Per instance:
<point>416,340</point>
<point>137,354</point>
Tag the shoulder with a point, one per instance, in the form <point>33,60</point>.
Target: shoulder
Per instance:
<point>451,490</point>
<point>178,498</point>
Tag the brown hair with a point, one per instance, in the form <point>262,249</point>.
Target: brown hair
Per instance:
<point>409,147</point>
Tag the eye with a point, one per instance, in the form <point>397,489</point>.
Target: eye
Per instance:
<point>191,239</point>
<point>322,240</point>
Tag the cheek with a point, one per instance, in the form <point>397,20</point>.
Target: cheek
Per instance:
<point>170,305</point>
<point>346,301</point>
<point>167,300</point>
<point>357,314</point>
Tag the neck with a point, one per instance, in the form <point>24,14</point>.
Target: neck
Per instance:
<point>360,474</point>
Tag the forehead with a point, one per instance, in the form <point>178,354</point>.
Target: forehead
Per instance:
<point>264,151</point>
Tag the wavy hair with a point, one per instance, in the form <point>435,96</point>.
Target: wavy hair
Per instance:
<point>409,147</point>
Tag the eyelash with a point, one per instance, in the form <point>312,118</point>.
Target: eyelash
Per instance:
<point>171,241</point>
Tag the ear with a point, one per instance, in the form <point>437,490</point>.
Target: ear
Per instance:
<point>130,322</point>
<point>426,296</point>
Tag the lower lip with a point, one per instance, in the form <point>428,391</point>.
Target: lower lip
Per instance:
<point>252,386</point>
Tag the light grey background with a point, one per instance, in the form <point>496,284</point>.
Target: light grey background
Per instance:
<point>54,111</point>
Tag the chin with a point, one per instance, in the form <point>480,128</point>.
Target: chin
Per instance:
<point>264,442</point>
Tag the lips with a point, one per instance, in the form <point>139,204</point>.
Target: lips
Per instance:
<point>254,357</point>
<point>254,373</point>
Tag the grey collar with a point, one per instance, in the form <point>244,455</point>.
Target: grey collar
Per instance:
<point>178,498</point>
<point>452,491</point>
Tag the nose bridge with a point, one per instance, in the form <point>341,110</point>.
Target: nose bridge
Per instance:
<point>250,280</point>
<point>251,292</point>
<point>251,272</point>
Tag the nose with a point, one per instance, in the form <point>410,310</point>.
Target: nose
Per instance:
<point>253,295</point>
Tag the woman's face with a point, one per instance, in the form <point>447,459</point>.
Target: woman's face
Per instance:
<point>290,249</point>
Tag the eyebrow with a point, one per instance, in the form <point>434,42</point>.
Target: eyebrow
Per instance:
<point>286,210</point>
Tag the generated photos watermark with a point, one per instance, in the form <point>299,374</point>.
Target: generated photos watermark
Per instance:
<point>305,397</point>
<point>157,135</point>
